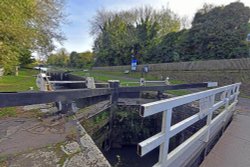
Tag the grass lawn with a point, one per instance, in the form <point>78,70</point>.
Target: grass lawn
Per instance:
<point>8,112</point>
<point>22,82</point>
<point>179,92</point>
<point>133,76</point>
<point>11,83</point>
<point>107,75</point>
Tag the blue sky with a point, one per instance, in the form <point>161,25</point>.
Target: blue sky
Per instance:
<point>80,12</point>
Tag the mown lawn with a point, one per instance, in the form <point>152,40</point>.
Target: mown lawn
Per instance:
<point>11,83</point>
<point>134,76</point>
<point>22,82</point>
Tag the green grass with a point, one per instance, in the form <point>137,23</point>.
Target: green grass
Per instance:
<point>22,82</point>
<point>3,161</point>
<point>118,75</point>
<point>60,153</point>
<point>179,92</point>
<point>12,83</point>
<point>8,112</point>
<point>104,76</point>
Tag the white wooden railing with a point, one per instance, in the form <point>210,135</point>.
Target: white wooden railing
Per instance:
<point>208,103</point>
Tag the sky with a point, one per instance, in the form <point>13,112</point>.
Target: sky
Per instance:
<point>80,12</point>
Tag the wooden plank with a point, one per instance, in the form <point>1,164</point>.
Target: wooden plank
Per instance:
<point>183,125</point>
<point>165,128</point>
<point>9,99</point>
<point>161,88</point>
<point>150,144</point>
<point>28,98</point>
<point>66,82</point>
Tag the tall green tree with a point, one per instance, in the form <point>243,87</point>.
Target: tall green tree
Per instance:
<point>218,32</point>
<point>31,24</point>
<point>25,57</point>
<point>73,58</point>
<point>133,32</point>
<point>81,60</point>
<point>60,58</point>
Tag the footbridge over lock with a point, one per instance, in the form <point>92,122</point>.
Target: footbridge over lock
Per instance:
<point>220,100</point>
<point>200,142</point>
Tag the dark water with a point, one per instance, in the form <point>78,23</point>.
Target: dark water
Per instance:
<point>129,157</point>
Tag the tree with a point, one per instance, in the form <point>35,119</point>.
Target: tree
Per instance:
<point>31,24</point>
<point>218,32</point>
<point>170,48</point>
<point>73,57</point>
<point>25,57</point>
<point>81,60</point>
<point>61,58</point>
<point>118,35</point>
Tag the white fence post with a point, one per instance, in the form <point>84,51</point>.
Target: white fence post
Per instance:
<point>227,98</point>
<point>167,81</point>
<point>164,147</point>
<point>209,116</point>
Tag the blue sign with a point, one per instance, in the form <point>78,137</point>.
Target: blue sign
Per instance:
<point>133,64</point>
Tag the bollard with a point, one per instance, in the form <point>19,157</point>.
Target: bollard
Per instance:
<point>90,83</point>
<point>167,81</point>
<point>17,69</point>
<point>142,82</point>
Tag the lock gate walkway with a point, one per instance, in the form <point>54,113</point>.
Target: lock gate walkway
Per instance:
<point>233,148</point>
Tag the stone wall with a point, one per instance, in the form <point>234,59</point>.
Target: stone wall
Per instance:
<point>209,65</point>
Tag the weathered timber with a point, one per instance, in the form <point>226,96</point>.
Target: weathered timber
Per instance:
<point>161,88</point>
<point>8,99</point>
<point>27,98</point>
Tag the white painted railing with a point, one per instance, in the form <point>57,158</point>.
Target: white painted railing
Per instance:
<point>207,105</point>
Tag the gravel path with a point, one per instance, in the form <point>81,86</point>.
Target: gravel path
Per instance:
<point>243,106</point>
